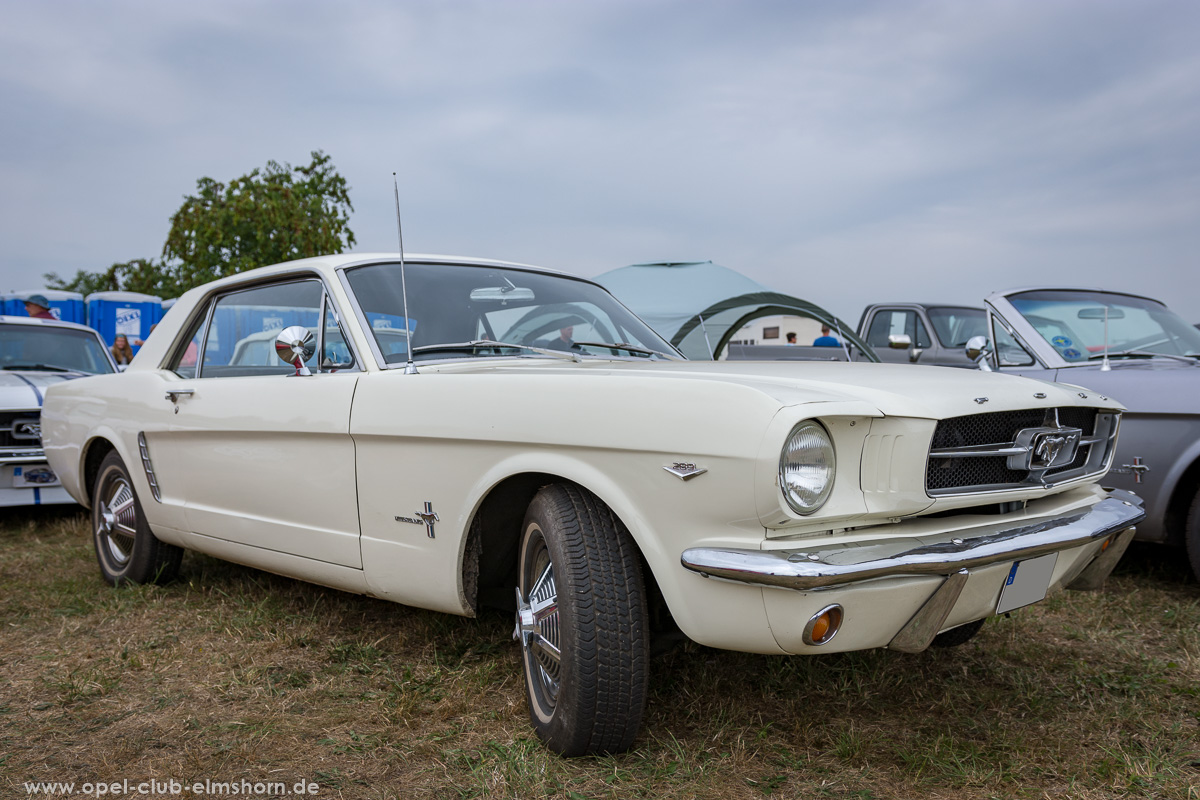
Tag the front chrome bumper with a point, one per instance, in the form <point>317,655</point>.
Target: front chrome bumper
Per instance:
<point>940,554</point>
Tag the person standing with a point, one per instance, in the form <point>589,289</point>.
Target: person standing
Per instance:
<point>122,353</point>
<point>38,307</point>
<point>825,340</point>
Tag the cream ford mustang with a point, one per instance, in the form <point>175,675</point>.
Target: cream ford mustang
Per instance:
<point>507,435</point>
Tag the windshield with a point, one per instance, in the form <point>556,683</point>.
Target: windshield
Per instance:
<point>955,326</point>
<point>453,309</point>
<point>1073,322</point>
<point>50,349</point>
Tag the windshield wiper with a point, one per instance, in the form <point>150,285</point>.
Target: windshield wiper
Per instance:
<point>478,344</point>
<point>629,348</point>
<point>40,367</point>
<point>1144,354</point>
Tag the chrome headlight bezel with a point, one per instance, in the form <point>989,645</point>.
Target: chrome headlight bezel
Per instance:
<point>808,447</point>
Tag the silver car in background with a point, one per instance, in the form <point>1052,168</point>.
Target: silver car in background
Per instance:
<point>34,355</point>
<point>1135,350</point>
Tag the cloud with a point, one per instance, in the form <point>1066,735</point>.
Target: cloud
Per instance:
<point>956,147</point>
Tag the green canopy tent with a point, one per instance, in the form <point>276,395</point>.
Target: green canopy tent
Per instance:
<point>699,306</point>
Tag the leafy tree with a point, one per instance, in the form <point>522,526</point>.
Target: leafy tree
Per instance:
<point>138,275</point>
<point>277,214</point>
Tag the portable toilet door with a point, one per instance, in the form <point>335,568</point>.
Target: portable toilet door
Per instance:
<point>64,305</point>
<point>130,313</point>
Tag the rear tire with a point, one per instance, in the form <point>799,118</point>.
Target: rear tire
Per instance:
<point>582,624</point>
<point>128,552</point>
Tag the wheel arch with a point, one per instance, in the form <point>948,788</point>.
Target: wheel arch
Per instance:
<point>489,563</point>
<point>94,452</point>
<point>1185,485</point>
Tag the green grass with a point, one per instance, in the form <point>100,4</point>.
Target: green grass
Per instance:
<point>231,673</point>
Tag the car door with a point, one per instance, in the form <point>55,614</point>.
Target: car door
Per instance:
<point>897,321</point>
<point>269,454</point>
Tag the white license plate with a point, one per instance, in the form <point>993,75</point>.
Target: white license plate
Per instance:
<point>1027,582</point>
<point>36,476</point>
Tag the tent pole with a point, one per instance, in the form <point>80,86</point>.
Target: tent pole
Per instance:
<point>704,328</point>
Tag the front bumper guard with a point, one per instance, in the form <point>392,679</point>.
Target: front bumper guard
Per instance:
<point>824,567</point>
<point>949,554</point>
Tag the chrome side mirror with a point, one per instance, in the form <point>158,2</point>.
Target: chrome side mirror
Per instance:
<point>978,350</point>
<point>899,341</point>
<point>294,346</point>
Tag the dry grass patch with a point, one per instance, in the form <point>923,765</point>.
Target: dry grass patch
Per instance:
<point>230,674</point>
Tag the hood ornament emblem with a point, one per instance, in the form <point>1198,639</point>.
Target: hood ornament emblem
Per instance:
<point>981,400</point>
<point>685,471</point>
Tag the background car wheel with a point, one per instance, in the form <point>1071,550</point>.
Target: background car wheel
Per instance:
<point>1192,535</point>
<point>582,624</point>
<point>956,636</point>
<point>125,547</point>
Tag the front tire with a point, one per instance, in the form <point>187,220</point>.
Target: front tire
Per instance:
<point>1192,535</point>
<point>127,550</point>
<point>582,624</point>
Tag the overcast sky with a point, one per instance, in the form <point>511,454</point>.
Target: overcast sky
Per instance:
<point>844,152</point>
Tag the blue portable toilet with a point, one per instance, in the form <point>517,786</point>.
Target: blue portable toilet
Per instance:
<point>67,306</point>
<point>129,313</point>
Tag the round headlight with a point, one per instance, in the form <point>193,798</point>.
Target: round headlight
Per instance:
<point>806,467</point>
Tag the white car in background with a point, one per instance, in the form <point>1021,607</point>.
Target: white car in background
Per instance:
<point>530,443</point>
<point>34,355</point>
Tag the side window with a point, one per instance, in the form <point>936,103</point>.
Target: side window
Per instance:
<point>1009,352</point>
<point>335,352</point>
<point>185,361</point>
<point>242,328</point>
<point>881,326</point>
<point>887,323</point>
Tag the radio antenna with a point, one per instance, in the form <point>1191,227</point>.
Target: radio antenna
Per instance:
<point>410,368</point>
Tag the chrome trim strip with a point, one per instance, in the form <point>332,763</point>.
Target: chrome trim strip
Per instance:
<point>22,455</point>
<point>978,451</point>
<point>148,466</point>
<point>938,554</point>
<point>988,450</point>
<point>923,628</point>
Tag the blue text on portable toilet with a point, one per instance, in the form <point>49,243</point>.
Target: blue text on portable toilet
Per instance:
<point>67,306</point>
<point>129,313</point>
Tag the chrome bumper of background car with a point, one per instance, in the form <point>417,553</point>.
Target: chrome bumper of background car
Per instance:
<point>22,455</point>
<point>939,554</point>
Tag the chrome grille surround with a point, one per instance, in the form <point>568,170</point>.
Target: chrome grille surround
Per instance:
<point>1004,450</point>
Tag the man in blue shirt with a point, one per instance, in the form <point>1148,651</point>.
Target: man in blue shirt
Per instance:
<point>825,340</point>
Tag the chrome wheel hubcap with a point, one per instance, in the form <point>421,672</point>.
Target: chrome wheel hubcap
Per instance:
<point>538,631</point>
<point>116,522</point>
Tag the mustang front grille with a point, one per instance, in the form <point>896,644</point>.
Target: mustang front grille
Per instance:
<point>1015,449</point>
<point>21,429</point>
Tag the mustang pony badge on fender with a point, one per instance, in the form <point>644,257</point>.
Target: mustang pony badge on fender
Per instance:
<point>426,518</point>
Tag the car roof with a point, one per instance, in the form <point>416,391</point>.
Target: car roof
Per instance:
<point>6,319</point>
<point>1010,292</point>
<point>344,260</point>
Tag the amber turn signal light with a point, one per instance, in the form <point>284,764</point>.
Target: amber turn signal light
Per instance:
<point>823,625</point>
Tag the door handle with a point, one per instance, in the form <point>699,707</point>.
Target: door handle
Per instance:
<point>174,394</point>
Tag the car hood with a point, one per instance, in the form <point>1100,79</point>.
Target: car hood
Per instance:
<point>892,389</point>
<point>26,388</point>
<point>1144,385</point>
